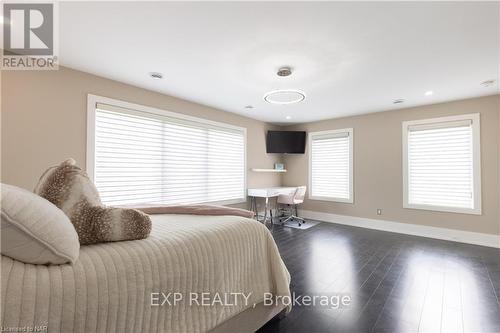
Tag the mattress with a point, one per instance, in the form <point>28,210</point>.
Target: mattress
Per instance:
<point>128,286</point>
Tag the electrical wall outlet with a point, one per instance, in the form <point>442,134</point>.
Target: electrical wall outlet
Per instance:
<point>379,211</point>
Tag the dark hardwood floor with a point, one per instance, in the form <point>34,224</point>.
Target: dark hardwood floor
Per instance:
<point>397,283</point>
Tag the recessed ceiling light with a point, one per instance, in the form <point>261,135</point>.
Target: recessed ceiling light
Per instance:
<point>284,96</point>
<point>284,71</point>
<point>248,107</point>
<point>288,117</point>
<point>398,101</point>
<point>487,83</point>
<point>429,93</point>
<point>156,75</point>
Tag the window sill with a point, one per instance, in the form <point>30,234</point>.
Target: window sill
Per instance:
<point>340,200</point>
<point>431,208</point>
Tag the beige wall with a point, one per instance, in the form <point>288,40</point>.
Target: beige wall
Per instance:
<point>44,122</point>
<point>378,166</point>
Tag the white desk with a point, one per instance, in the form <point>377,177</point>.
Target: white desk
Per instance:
<point>266,193</point>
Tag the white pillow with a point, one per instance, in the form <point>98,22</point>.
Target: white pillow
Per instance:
<point>35,231</point>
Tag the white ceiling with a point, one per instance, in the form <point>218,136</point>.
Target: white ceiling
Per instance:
<point>349,58</point>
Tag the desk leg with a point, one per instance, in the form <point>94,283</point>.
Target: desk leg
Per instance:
<point>265,210</point>
<point>251,204</point>
<point>271,212</point>
<point>253,207</point>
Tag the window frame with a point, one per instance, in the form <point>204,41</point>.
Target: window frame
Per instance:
<point>93,100</point>
<point>350,132</point>
<point>476,163</point>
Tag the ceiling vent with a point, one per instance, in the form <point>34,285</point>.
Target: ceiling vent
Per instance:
<point>487,83</point>
<point>156,75</point>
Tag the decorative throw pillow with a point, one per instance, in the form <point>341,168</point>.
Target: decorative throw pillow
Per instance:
<point>35,231</point>
<point>69,188</point>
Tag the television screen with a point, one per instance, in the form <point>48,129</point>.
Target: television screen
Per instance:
<point>286,142</point>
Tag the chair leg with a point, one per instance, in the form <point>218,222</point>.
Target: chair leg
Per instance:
<point>297,214</point>
<point>284,218</point>
<point>294,215</point>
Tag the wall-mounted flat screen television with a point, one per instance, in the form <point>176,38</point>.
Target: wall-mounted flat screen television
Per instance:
<point>286,142</point>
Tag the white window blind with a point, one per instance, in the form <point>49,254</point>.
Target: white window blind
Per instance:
<point>141,157</point>
<point>442,165</point>
<point>331,165</point>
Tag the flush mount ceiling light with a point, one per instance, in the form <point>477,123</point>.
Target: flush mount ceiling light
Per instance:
<point>429,93</point>
<point>288,117</point>
<point>156,75</point>
<point>284,96</point>
<point>398,101</point>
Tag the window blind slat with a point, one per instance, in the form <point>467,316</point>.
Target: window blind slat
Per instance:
<point>143,158</point>
<point>440,165</point>
<point>330,165</point>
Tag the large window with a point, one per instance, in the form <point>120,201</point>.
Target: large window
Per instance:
<point>140,155</point>
<point>330,165</point>
<point>441,164</point>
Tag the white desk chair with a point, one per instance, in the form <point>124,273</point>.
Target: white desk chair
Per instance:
<point>293,199</point>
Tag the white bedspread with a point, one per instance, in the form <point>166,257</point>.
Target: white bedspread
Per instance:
<point>109,288</point>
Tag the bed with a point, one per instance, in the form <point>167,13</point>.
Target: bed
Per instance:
<point>112,286</point>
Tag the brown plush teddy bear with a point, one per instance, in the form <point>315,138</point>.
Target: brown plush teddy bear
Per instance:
<point>69,188</point>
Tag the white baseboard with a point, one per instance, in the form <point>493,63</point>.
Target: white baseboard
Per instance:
<point>406,228</point>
